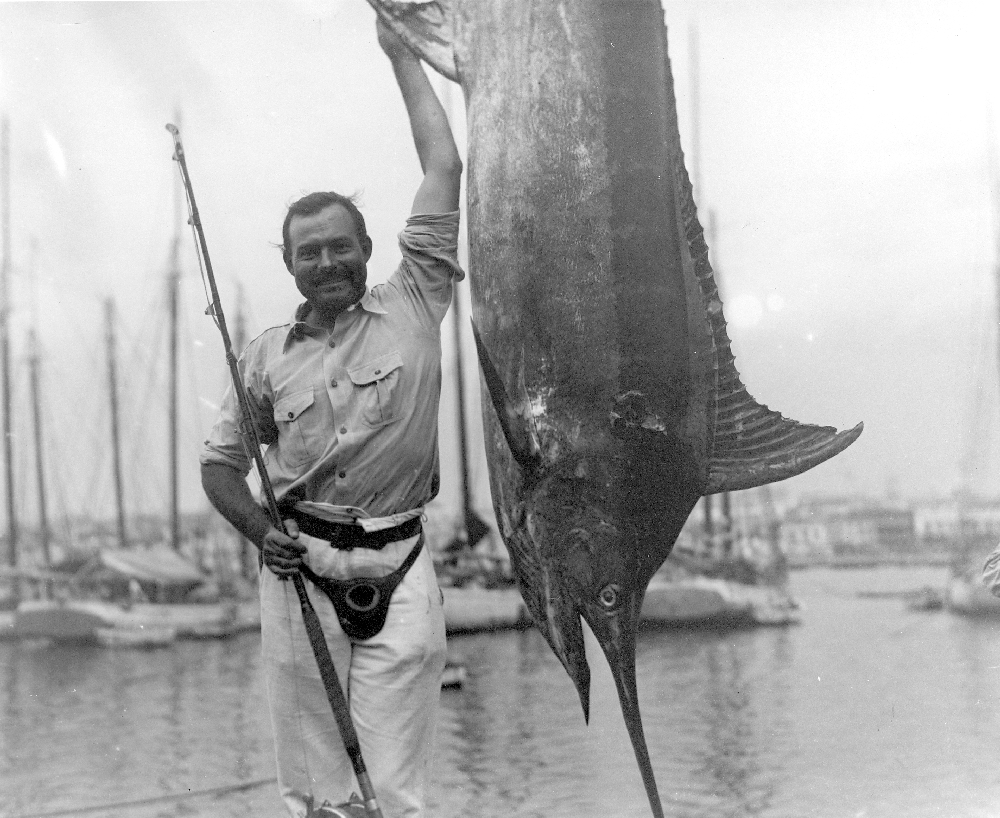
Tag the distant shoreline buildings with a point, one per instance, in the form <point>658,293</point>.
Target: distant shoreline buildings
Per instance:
<point>858,530</point>
<point>805,531</point>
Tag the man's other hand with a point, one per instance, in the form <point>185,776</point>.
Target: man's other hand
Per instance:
<point>283,552</point>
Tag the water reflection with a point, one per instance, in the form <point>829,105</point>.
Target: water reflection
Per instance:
<point>728,698</point>
<point>865,709</point>
<point>84,725</point>
<point>494,740</point>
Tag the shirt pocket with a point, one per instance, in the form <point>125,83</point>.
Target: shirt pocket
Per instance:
<point>292,419</point>
<point>377,381</point>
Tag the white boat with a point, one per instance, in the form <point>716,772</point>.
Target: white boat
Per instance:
<point>112,591</point>
<point>472,609</point>
<point>141,637</point>
<point>712,602</point>
<point>92,620</point>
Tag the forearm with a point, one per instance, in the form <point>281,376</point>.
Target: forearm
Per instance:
<point>432,134</point>
<point>229,493</point>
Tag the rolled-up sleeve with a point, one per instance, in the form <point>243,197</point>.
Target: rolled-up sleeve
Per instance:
<point>227,444</point>
<point>429,244</point>
<point>991,572</point>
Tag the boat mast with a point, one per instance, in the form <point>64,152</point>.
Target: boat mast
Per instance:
<point>248,559</point>
<point>995,176</point>
<point>116,446</point>
<point>173,288</point>
<point>8,436</point>
<point>475,528</point>
<point>34,382</point>
<point>36,408</point>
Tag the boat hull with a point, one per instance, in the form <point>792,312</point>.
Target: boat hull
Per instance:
<point>87,620</point>
<point>471,609</point>
<point>706,602</point>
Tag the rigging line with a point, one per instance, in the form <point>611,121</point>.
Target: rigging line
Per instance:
<point>139,419</point>
<point>55,476</point>
<point>51,444</point>
<point>21,432</point>
<point>156,799</point>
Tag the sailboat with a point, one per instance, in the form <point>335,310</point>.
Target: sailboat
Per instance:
<point>965,593</point>
<point>132,595</point>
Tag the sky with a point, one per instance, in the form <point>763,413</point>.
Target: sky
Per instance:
<point>845,150</point>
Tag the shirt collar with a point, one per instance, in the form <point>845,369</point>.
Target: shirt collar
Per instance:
<point>299,329</point>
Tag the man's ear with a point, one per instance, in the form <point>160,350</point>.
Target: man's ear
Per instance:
<point>366,248</point>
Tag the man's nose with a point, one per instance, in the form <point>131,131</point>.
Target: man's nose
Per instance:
<point>325,257</point>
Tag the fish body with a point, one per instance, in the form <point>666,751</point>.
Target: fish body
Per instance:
<point>612,401</point>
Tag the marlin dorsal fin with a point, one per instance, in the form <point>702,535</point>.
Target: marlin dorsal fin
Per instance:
<point>515,419</point>
<point>750,445</point>
<point>754,445</point>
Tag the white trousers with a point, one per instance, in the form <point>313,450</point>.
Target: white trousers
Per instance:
<point>392,683</point>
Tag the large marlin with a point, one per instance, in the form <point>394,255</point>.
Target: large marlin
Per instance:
<point>612,399</point>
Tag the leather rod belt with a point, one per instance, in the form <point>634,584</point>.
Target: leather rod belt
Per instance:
<point>345,537</point>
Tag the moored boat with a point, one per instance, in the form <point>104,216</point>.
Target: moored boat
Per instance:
<point>141,637</point>
<point>152,589</point>
<point>472,608</point>
<point>713,602</point>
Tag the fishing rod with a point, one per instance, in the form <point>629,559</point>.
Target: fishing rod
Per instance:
<point>314,629</point>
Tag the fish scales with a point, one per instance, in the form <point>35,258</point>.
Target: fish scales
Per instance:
<point>611,399</point>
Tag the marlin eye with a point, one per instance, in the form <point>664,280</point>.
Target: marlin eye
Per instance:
<point>609,596</point>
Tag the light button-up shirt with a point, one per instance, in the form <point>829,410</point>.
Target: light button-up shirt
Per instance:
<point>349,415</point>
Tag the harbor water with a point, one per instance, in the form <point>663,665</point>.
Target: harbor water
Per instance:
<point>864,710</point>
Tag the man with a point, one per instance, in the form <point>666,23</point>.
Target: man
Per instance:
<point>346,399</point>
<point>991,572</point>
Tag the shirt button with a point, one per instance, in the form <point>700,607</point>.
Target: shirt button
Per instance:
<point>291,415</point>
<point>378,371</point>
<point>332,343</point>
<point>333,381</point>
<point>342,474</point>
<point>343,430</point>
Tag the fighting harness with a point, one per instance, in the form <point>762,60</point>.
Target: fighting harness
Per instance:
<point>362,603</point>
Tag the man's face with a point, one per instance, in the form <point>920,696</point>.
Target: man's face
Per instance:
<point>329,262</point>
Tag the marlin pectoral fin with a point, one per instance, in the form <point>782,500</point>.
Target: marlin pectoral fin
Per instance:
<point>516,423</point>
<point>426,27</point>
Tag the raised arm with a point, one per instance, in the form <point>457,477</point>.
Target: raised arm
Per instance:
<point>439,159</point>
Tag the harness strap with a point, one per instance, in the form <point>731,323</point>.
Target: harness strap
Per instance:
<point>362,603</point>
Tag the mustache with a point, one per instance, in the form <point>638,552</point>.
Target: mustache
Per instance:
<point>325,274</point>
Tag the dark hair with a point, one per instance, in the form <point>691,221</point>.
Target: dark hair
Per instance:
<point>312,204</point>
